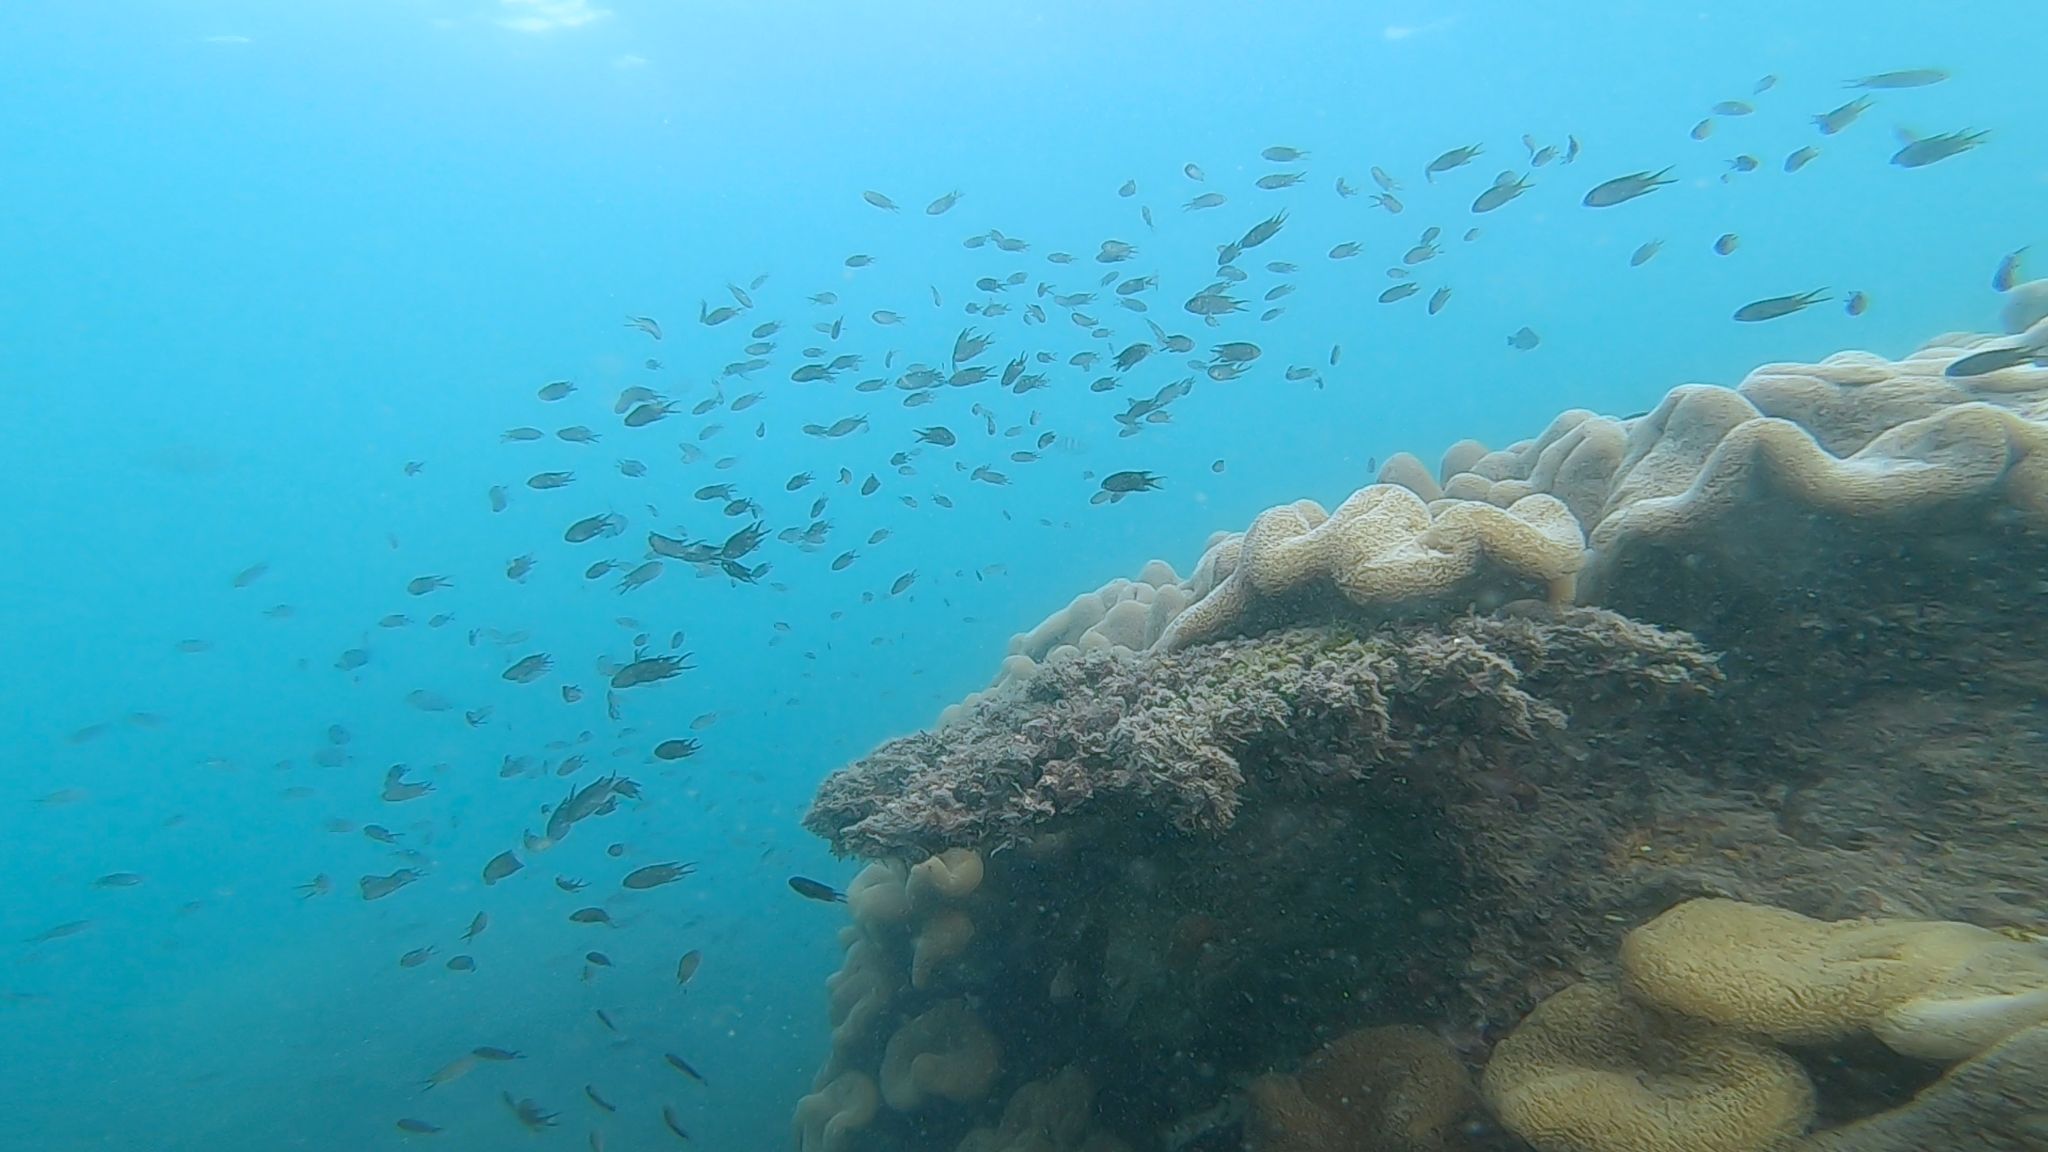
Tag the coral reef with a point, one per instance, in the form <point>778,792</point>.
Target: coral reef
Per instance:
<point>1739,474</point>
<point>1714,737</point>
<point>1591,1071</point>
<point>944,1052</point>
<point>1159,743</point>
<point>1391,1089</point>
<point>1054,1114</point>
<point>1679,1058</point>
<point>1997,1101</point>
<point>827,1119</point>
<point>1934,989</point>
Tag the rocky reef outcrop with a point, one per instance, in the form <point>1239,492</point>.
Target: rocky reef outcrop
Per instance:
<point>1576,772</point>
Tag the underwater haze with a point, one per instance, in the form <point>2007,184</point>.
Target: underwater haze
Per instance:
<point>441,429</point>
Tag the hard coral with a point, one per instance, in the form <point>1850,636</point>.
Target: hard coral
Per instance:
<point>1391,1089</point>
<point>878,895</point>
<point>1591,1071</point>
<point>1999,1100</point>
<point>860,993</point>
<point>1934,989</point>
<point>1728,474</point>
<point>827,1119</point>
<point>953,874</point>
<point>946,1053</point>
<point>1053,1114</point>
<point>1384,546</point>
<point>940,939</point>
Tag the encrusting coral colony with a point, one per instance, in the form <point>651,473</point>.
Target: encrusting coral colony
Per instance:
<point>1668,784</point>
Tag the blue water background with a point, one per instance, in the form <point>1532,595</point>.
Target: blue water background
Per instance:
<point>254,257</point>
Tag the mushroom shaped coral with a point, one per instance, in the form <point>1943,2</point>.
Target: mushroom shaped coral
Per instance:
<point>1591,1071</point>
<point>946,1053</point>
<point>1397,1089</point>
<point>939,939</point>
<point>826,1119</point>
<point>951,875</point>
<point>1935,989</point>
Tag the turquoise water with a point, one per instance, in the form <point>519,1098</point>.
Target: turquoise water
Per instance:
<point>258,257</point>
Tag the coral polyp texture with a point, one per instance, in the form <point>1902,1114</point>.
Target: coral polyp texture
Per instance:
<point>1681,780</point>
<point>1878,444</point>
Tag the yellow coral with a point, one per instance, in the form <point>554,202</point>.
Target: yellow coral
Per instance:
<point>951,875</point>
<point>826,1119</point>
<point>1404,469</point>
<point>939,939</point>
<point>1393,1089</point>
<point>1591,1071</point>
<point>860,991</point>
<point>1935,989</point>
<point>878,895</point>
<point>946,1052</point>
<point>1384,545</point>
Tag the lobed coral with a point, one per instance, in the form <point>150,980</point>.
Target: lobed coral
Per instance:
<point>827,1119</point>
<point>1592,1071</point>
<point>1935,989</point>
<point>1677,1057</point>
<point>891,1040</point>
<point>1737,473</point>
<point>1052,1114</point>
<point>1351,804</point>
<point>1388,1089</point>
<point>945,1053</point>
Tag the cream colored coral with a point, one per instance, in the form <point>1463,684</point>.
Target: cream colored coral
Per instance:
<point>1934,989</point>
<point>951,875</point>
<point>1048,1115</point>
<point>1735,471</point>
<point>878,895</point>
<point>827,1119</point>
<point>1384,545</point>
<point>1998,1100</point>
<point>1390,1089</point>
<point>940,939</point>
<point>861,991</point>
<point>946,1052</point>
<point>2025,306</point>
<point>1404,469</point>
<point>1591,1071</point>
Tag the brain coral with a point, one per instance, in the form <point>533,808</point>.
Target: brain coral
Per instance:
<point>1934,989</point>
<point>1739,472</point>
<point>1384,545</point>
<point>1589,1070</point>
